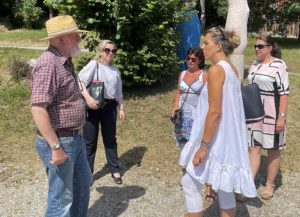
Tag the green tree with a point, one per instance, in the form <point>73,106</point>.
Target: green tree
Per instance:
<point>31,13</point>
<point>268,13</point>
<point>144,31</point>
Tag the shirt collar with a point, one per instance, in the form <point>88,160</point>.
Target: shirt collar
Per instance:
<point>59,55</point>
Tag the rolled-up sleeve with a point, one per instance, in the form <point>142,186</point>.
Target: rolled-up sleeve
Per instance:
<point>87,72</point>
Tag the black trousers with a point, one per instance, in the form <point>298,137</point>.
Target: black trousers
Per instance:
<point>107,118</point>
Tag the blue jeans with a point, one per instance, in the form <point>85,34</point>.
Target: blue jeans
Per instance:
<point>69,183</point>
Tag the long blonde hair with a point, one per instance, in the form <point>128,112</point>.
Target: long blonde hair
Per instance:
<point>100,48</point>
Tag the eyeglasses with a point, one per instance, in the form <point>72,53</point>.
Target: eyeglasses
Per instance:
<point>107,50</point>
<point>261,46</point>
<point>191,58</point>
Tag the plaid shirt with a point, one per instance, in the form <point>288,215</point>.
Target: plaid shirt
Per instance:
<point>53,82</point>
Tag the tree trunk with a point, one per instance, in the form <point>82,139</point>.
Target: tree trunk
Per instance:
<point>50,13</point>
<point>237,18</point>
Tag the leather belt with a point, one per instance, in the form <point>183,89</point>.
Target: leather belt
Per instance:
<point>64,132</point>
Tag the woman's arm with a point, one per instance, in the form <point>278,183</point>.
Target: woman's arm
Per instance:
<point>85,76</point>
<point>119,97</point>
<point>216,77</point>
<point>91,102</point>
<point>177,95</point>
<point>280,123</point>
<point>283,90</point>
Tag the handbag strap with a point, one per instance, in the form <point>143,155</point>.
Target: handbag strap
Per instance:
<point>96,71</point>
<point>189,89</point>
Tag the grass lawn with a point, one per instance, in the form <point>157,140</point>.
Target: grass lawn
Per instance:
<point>146,132</point>
<point>23,38</point>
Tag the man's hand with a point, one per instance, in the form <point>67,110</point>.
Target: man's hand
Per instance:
<point>58,156</point>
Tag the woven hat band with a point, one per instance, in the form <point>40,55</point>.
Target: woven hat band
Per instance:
<point>60,32</point>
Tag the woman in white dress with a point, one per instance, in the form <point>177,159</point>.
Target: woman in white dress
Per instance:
<point>217,152</point>
<point>190,83</point>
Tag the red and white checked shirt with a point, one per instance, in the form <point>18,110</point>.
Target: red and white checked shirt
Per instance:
<point>53,82</point>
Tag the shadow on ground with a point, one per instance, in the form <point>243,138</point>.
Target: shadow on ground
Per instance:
<point>132,157</point>
<point>114,200</point>
<point>241,210</point>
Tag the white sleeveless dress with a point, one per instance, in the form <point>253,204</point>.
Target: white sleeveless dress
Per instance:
<point>227,166</point>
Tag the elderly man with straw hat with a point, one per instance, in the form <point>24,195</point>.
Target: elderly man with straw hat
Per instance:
<point>59,114</point>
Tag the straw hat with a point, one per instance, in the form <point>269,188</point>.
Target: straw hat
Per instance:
<point>61,25</point>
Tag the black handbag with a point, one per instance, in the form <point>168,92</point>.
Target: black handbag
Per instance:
<point>177,117</point>
<point>253,106</point>
<point>96,90</point>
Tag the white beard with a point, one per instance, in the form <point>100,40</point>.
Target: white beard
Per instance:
<point>76,51</point>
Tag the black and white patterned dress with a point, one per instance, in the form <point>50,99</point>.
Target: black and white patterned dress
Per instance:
<point>272,79</point>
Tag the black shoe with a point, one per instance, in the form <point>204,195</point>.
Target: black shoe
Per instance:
<point>118,180</point>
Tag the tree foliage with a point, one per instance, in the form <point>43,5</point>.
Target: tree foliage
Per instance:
<point>31,13</point>
<point>144,31</point>
<point>262,14</point>
<point>268,13</point>
<point>9,13</point>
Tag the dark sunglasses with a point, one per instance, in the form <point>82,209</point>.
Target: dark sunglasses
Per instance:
<point>107,50</point>
<point>261,46</point>
<point>191,59</point>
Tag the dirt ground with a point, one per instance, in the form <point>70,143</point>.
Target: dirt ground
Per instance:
<point>142,194</point>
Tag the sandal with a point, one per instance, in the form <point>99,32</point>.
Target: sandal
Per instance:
<point>210,195</point>
<point>267,195</point>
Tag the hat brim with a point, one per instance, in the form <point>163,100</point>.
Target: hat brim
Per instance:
<point>57,35</point>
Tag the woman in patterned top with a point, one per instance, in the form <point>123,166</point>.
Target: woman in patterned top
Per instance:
<point>270,73</point>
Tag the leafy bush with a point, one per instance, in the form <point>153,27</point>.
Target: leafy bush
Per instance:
<point>144,31</point>
<point>19,69</point>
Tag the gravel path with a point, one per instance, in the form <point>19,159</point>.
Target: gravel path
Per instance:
<point>140,195</point>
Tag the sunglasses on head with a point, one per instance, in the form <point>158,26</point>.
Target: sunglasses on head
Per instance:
<point>221,31</point>
<point>261,46</point>
<point>107,50</point>
<point>191,59</point>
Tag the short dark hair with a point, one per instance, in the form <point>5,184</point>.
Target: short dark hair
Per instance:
<point>275,52</point>
<point>197,51</point>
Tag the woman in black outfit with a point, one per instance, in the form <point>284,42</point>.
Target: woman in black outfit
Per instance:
<point>105,116</point>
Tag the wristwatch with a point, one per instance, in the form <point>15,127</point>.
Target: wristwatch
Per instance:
<point>282,114</point>
<point>55,146</point>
